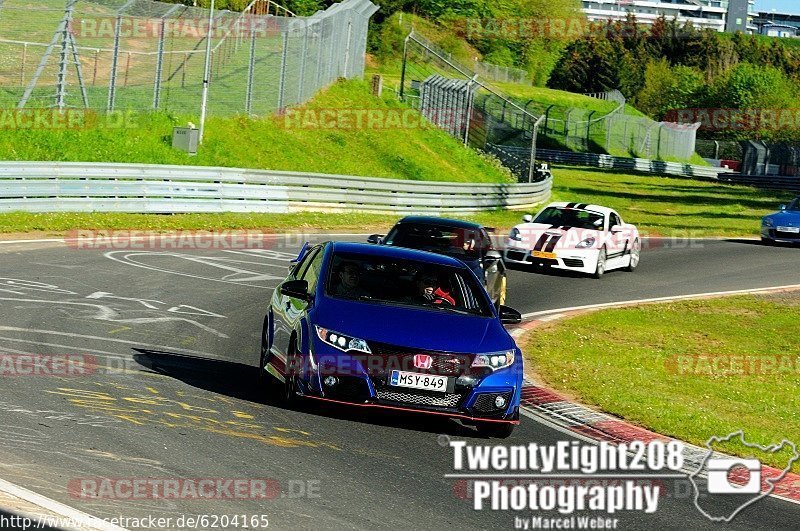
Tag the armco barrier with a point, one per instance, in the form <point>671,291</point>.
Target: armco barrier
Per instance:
<point>656,167</point>
<point>103,187</point>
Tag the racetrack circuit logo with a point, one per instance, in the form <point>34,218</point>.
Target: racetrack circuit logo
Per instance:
<point>743,480</point>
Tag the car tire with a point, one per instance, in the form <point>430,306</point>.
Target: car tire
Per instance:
<point>266,382</point>
<point>289,394</point>
<point>496,430</point>
<point>636,251</point>
<point>600,269</point>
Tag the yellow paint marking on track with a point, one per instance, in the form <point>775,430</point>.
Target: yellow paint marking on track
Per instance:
<point>290,430</point>
<point>242,415</point>
<point>117,330</point>
<point>152,390</point>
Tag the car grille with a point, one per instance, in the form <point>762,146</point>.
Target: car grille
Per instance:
<point>516,255</point>
<point>786,235</point>
<point>572,262</point>
<point>385,358</point>
<point>485,402</point>
<point>421,399</point>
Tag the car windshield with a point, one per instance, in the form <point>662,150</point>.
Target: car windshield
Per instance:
<point>570,217</point>
<point>405,283</point>
<point>453,241</point>
<point>795,205</point>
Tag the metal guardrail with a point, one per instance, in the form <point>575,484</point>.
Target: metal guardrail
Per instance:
<point>656,167</point>
<point>145,188</point>
<point>767,182</point>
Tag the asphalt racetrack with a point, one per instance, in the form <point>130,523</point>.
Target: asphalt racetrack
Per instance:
<point>176,339</point>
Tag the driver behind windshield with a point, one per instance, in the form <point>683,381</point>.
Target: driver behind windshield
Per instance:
<point>428,288</point>
<point>349,280</point>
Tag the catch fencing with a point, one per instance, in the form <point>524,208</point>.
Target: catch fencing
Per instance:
<point>616,132</point>
<point>144,55</point>
<point>452,96</point>
<point>143,188</point>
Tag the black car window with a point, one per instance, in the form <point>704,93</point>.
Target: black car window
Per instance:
<point>300,269</point>
<point>614,221</point>
<point>402,282</point>
<point>453,241</point>
<point>312,271</point>
<point>570,217</point>
<point>794,206</point>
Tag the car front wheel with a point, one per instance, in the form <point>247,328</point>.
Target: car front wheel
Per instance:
<point>601,264</point>
<point>636,250</point>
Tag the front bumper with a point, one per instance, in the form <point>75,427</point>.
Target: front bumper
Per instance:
<point>470,397</point>
<point>578,260</point>
<point>774,234</point>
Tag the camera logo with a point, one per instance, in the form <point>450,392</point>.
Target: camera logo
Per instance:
<point>739,479</point>
<point>721,470</point>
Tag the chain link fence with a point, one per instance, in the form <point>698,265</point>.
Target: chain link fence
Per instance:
<point>616,133</point>
<point>143,55</point>
<point>452,96</point>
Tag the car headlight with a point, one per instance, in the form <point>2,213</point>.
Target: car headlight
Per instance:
<point>768,222</point>
<point>494,360</point>
<point>515,234</point>
<point>341,341</point>
<point>585,244</point>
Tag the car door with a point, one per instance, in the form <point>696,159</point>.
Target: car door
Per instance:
<point>285,309</point>
<point>618,241</point>
<point>492,268</point>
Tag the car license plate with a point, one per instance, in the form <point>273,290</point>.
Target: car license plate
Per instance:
<point>793,230</point>
<point>416,380</point>
<point>542,254</point>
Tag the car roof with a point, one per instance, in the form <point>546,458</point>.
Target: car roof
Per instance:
<point>582,206</point>
<point>441,222</point>
<point>403,253</point>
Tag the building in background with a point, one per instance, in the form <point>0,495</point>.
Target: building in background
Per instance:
<point>778,24</point>
<point>719,15</point>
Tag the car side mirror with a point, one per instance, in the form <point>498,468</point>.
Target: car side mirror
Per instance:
<point>527,218</point>
<point>492,256</point>
<point>296,289</point>
<point>783,207</point>
<point>375,238</point>
<point>616,228</point>
<point>509,315</point>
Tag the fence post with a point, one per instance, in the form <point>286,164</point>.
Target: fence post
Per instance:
<point>589,129</point>
<point>403,68</point>
<point>112,86</point>
<point>301,84</point>
<point>282,78</point>
<point>251,67</point>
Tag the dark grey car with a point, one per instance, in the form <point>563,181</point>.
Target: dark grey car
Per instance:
<point>468,242</point>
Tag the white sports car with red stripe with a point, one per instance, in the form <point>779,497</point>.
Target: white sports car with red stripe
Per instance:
<point>576,237</point>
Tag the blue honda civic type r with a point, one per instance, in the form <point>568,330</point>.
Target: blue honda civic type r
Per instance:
<point>396,329</point>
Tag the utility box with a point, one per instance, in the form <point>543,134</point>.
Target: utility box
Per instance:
<point>185,139</point>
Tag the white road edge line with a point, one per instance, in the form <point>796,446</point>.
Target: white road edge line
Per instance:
<point>532,315</point>
<point>65,511</point>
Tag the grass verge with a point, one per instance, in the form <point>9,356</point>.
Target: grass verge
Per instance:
<point>400,152</point>
<point>655,366</point>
